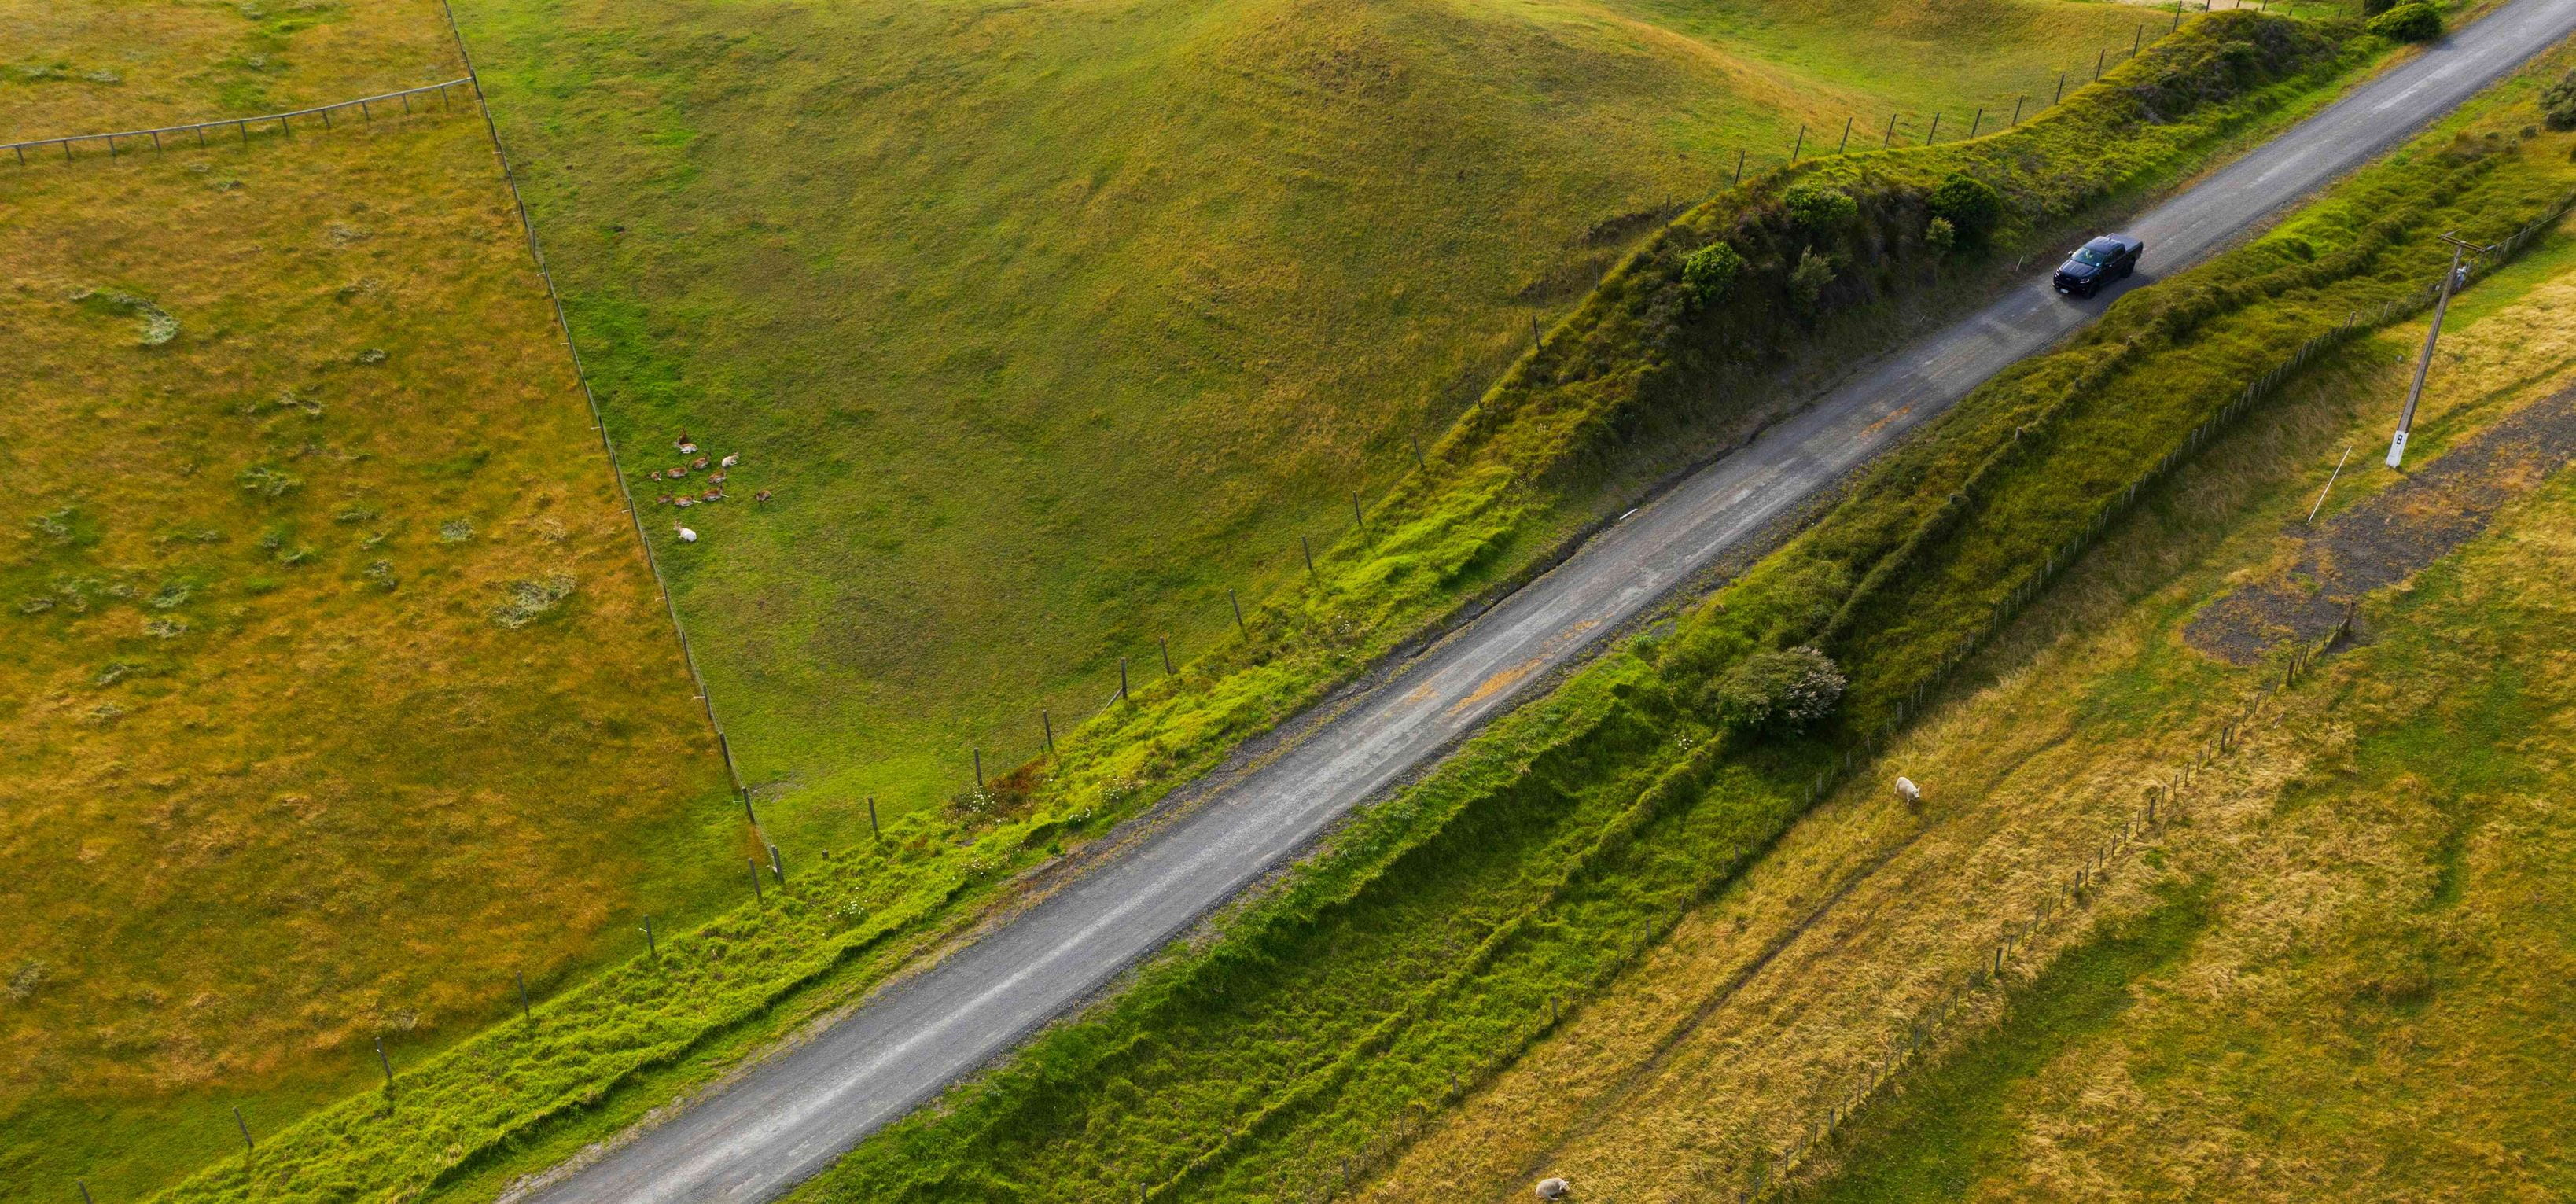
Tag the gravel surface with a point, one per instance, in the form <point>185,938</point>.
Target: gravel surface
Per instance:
<point>2390,536</point>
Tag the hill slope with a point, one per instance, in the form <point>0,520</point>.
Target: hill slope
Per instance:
<point>1047,326</point>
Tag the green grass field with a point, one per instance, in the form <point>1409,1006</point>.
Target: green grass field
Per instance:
<point>338,693</point>
<point>1047,326</point>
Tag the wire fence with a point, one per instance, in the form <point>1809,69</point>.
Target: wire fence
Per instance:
<point>1909,1046</point>
<point>1921,129</point>
<point>243,128</point>
<point>2164,800</point>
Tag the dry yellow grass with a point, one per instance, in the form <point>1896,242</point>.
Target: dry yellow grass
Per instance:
<point>94,66</point>
<point>1766,1007</point>
<point>338,689</point>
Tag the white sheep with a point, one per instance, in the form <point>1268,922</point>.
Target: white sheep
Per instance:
<point>729,461</point>
<point>1554,1189</point>
<point>688,536</point>
<point>1908,791</point>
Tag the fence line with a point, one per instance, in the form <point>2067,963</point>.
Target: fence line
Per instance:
<point>625,493</point>
<point>243,126</point>
<point>2163,800</point>
<point>1853,138</point>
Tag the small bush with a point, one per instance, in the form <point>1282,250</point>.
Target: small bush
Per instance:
<point>1971,206</point>
<point>1809,278</point>
<point>1819,210</point>
<point>1940,235</point>
<point>263,481</point>
<point>2558,103</point>
<point>2408,23</point>
<point>1776,693</point>
<point>524,602</point>
<point>1707,271</point>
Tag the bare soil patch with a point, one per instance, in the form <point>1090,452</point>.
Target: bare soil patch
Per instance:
<point>2391,536</point>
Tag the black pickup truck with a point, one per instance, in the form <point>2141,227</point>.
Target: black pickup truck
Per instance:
<point>2110,257</point>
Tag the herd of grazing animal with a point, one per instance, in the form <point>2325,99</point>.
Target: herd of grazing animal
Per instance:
<point>714,492</point>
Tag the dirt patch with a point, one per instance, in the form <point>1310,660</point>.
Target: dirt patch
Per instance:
<point>2391,536</point>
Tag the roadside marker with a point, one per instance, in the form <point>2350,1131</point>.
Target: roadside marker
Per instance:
<point>2330,480</point>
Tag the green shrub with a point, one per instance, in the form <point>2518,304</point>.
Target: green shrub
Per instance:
<point>2558,103</point>
<point>1776,693</point>
<point>1940,235</point>
<point>1971,206</point>
<point>2408,23</point>
<point>1820,210</point>
<point>1807,281</point>
<point>1707,271</point>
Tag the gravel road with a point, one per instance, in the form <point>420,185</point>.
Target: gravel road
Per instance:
<point>787,1118</point>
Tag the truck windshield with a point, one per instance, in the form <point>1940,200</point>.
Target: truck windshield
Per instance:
<point>2087,255</point>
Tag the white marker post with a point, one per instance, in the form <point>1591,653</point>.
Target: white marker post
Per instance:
<point>2424,363</point>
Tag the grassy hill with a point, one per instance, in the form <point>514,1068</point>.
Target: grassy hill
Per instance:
<point>338,693</point>
<point>1048,326</point>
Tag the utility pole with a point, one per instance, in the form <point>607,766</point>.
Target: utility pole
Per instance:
<point>2460,249</point>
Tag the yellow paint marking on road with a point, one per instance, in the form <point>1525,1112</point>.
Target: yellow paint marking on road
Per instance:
<point>1881,424</point>
<point>1498,683</point>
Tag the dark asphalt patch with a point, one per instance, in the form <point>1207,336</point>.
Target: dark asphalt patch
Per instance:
<point>2391,536</point>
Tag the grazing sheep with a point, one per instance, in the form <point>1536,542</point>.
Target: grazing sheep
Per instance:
<point>685,445</point>
<point>700,462</point>
<point>1906,790</point>
<point>684,500</point>
<point>688,536</point>
<point>729,461</point>
<point>677,473</point>
<point>712,495</point>
<point>1554,1189</point>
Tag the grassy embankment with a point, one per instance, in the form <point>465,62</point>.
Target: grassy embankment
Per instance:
<point>1329,1020</point>
<point>474,1117</point>
<point>337,691</point>
<point>1048,326</point>
<point>1768,1005</point>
